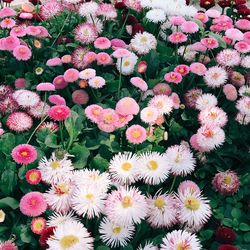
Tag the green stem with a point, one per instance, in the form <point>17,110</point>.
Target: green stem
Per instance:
<point>45,100</point>
<point>120,80</point>
<point>61,133</point>
<point>71,140</point>
<point>172,186</point>
<point>123,25</point>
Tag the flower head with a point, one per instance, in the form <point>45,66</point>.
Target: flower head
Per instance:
<point>33,176</point>
<point>136,134</point>
<point>127,106</point>
<point>59,112</point>
<point>24,154</point>
<point>22,53</point>
<point>38,225</point>
<point>19,122</point>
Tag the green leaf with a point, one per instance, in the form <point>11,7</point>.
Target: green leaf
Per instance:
<point>9,202</point>
<point>244,227</point>
<point>99,163</point>
<point>228,222</point>
<point>8,181</point>
<point>25,234</point>
<point>7,143</point>
<point>206,234</point>
<point>81,153</point>
<point>236,213</point>
<point>102,248</point>
<point>51,141</point>
<point>247,237</point>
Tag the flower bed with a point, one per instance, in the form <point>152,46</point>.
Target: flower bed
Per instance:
<point>124,125</point>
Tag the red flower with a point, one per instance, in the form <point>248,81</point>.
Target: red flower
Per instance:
<point>225,235</point>
<point>207,4</point>
<point>137,28</point>
<point>239,2</point>
<point>120,5</point>
<point>131,20</point>
<point>224,3</point>
<point>45,235</point>
<point>227,247</point>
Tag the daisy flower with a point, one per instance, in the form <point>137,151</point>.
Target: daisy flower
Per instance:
<point>191,97</point>
<point>39,111</point>
<point>126,65</point>
<point>22,53</point>
<point>24,154</point>
<point>50,9</point>
<point>127,106</point>
<point>88,201</point>
<point>148,246</point>
<point>180,159</point>
<point>162,103</point>
<point>107,10</point>
<point>180,240</point>
<point>193,209</point>
<point>87,74</point>
<point>193,187</point>
<point>115,235</point>
<point>242,119</point>
<point>26,98</point>
<point>88,9</point>
<point>163,211</point>
<point>78,56</point>
<point>33,176</point>
<point>8,245</point>
<point>187,53</point>
<point>70,235</point>
<point>156,16</point>
<point>19,122</point>
<point>215,77</point>
<point>126,206</point>
<point>86,33</point>
<point>123,168</point>
<point>97,82</point>
<point>38,225</point>
<point>136,134</point>
<point>139,83</point>
<point>153,168</point>
<point>93,112</point>
<point>142,43</point>
<point>59,112</point>
<point>228,58</point>
<point>57,219</point>
<point>245,62</point>
<point>214,116</point>
<point>206,101</point>
<point>149,115</point>
<point>54,169</point>
<point>107,119</point>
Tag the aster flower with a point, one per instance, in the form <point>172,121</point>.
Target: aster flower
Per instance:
<point>180,239</point>
<point>107,119</point>
<point>136,134</point>
<point>85,33</point>
<point>126,206</point>
<point>26,98</point>
<point>57,219</point>
<point>50,9</point>
<point>92,112</point>
<point>126,65</point>
<point>19,122</point>
<point>162,210</point>
<point>149,115</point>
<point>245,62</point>
<point>162,103</point>
<point>59,112</point>
<point>228,57</point>
<point>193,208</point>
<point>127,106</point>
<point>8,105</point>
<point>193,187</point>
<point>156,15</point>
<point>123,168</point>
<point>33,176</point>
<point>180,159</point>
<point>107,10</point>
<point>51,126</point>
<point>153,168</point>
<point>215,77</point>
<point>115,235</point>
<point>70,235</point>
<point>88,9</point>
<point>226,183</point>
<point>148,246</point>
<point>97,82</point>
<point>191,97</point>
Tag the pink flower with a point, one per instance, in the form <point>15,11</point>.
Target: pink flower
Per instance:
<point>8,245</point>
<point>198,46</point>
<point>66,59</point>
<point>71,75</point>
<point>189,27</point>
<point>234,34</point>
<point>103,58</point>
<point>139,83</point>
<point>120,53</point>
<point>123,120</point>
<point>59,112</point>
<point>173,77</point>
<point>182,69</point>
<point>246,37</point>
<point>19,121</point>
<point>7,12</point>
<point>230,92</point>
<point>177,37</point>
<point>10,42</point>
<point>43,32</point>
<point>57,100</point>
<point>142,67</point>
<point>242,47</point>
<point>177,20</point>
<point>198,68</point>
<point>45,86</point>
<point>89,57</point>
<point>149,115</point>
<point>102,43</point>
<point>32,30</point>
<point>127,106</point>
<point>213,13</point>
<point>175,100</point>
<point>162,89</point>
<point>38,225</point>
<point>118,43</point>
<point>93,112</point>
<point>188,185</point>
<point>7,23</point>
<point>80,97</point>
<point>22,53</point>
<point>97,82</point>
<point>24,15</point>
<point>33,204</point>
<point>18,31</point>
<point>107,120</point>
<point>136,134</point>
<point>86,33</point>
<point>59,82</point>
<point>210,43</point>
<point>243,24</point>
<point>201,17</point>
<point>227,40</point>
<point>24,154</point>
<point>33,176</point>
<point>194,143</point>
<point>20,83</point>
<point>54,62</point>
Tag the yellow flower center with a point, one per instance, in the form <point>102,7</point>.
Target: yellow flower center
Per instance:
<point>116,230</point>
<point>192,203</point>
<point>126,166</point>
<point>136,134</point>
<point>2,216</point>
<point>62,189</point>
<point>152,165</point>
<point>38,225</point>
<point>96,112</point>
<point>33,176</point>
<point>213,115</point>
<point>55,164</point>
<point>143,39</point>
<point>68,241</point>
<point>89,196</point>
<point>127,202</point>
<point>227,180</point>
<point>177,158</point>
<point>24,153</point>
<point>159,203</point>
<point>126,63</point>
<point>182,246</point>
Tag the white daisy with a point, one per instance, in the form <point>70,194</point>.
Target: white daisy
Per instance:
<point>97,22</point>
<point>88,9</point>
<point>148,246</point>
<point>156,15</point>
<point>88,201</point>
<point>115,235</point>
<point>206,101</point>
<point>242,119</point>
<point>127,65</point>
<point>243,105</point>
<point>193,209</point>
<point>40,110</point>
<point>162,209</point>
<point>177,240</point>
<point>123,168</point>
<point>153,168</point>
<point>70,235</point>
<point>187,53</point>
<point>126,206</point>
<point>163,103</point>
<point>244,90</point>
<point>245,62</point>
<point>142,43</point>
<point>151,3</point>
<point>215,76</point>
<point>26,98</point>
<point>57,219</point>
<point>54,169</point>
<point>180,159</point>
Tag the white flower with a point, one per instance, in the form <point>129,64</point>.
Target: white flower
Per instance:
<point>148,246</point>
<point>244,90</point>
<point>142,43</point>
<point>2,216</point>
<point>88,9</point>
<point>163,103</point>
<point>126,65</point>
<point>215,76</point>
<point>26,98</point>
<point>180,159</point>
<point>243,105</point>
<point>57,219</point>
<point>187,53</point>
<point>156,16</point>
<point>245,62</point>
<point>206,101</point>
<point>242,119</point>
<point>153,168</point>
<point>70,235</point>
<point>115,235</point>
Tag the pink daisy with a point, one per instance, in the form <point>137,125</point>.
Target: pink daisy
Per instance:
<point>54,62</point>
<point>177,20</point>
<point>163,103</point>
<point>7,12</point>
<point>93,112</point>
<point>71,75</point>
<point>18,31</point>
<point>162,89</point>
<point>242,47</point>
<point>33,176</point>
<point>97,82</point>
<point>243,24</point>
<point>230,92</point>
<point>66,59</point>
<point>107,10</point>
<point>50,9</point>
<point>198,46</point>
<point>78,58</point>
<point>32,30</point>
<point>198,68</point>
<point>123,120</point>
<point>118,43</point>
<point>20,83</point>
<point>59,112</point>
<point>228,57</point>
<point>38,225</point>
<point>103,58</point>
<point>45,86</point>
<point>173,77</point>
<point>234,34</point>
<point>24,154</point>
<point>142,67</point>
<point>246,37</point>
<point>33,204</point>
<point>182,69</point>
<point>102,43</point>
<point>8,245</point>
<point>189,27</point>
<point>107,120</point>
<point>136,134</point>
<point>210,43</point>
<point>86,33</point>
<point>80,97</point>
<point>139,83</point>
<point>19,122</point>
<point>177,37</point>
<point>120,53</point>
<point>10,43</point>
<point>89,57</point>
<point>59,82</point>
<point>7,23</point>
<point>22,53</point>
<point>201,17</point>
<point>127,106</point>
<point>184,185</point>
<point>57,100</point>
<point>149,115</point>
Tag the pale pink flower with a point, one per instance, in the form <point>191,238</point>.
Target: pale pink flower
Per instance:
<point>149,115</point>
<point>228,57</point>
<point>59,82</point>
<point>97,82</point>
<point>107,10</point>
<point>18,31</point>
<point>173,77</point>
<point>45,86</point>
<point>102,43</point>
<point>123,120</point>
<point>230,92</point>
<point>184,185</point>
<point>20,83</point>
<point>198,46</point>
<point>57,100</point>
<point>162,89</point>
<point>234,34</point>
<point>71,75</point>
<point>177,20</point>
<point>103,58</point>
<point>66,59</point>
<point>243,24</point>
<point>177,37</point>
<point>189,27</point>
<point>32,30</point>
<point>198,68</point>
<point>87,74</point>
<point>93,112</point>
<point>182,69</point>
<point>213,13</point>
<point>56,61</point>
<point>7,12</point>
<point>176,100</point>
<point>10,42</point>
<point>201,17</point>
<point>8,245</point>
<point>136,134</point>
<point>86,33</point>
<point>22,53</point>
<point>43,32</point>
<point>246,37</point>
<point>242,47</point>
<point>89,57</point>
<point>118,43</point>
<point>19,122</point>
<point>120,53</point>
<point>50,9</point>
<point>7,23</point>
<point>194,143</point>
<point>139,83</point>
<point>25,15</point>
<point>127,106</point>
<point>210,43</point>
<point>107,120</point>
